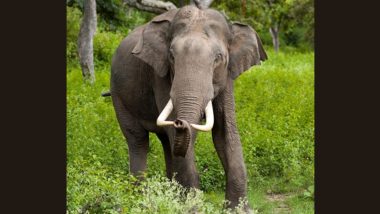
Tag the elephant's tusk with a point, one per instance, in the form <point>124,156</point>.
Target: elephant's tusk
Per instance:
<point>165,114</point>
<point>209,120</point>
<point>161,120</point>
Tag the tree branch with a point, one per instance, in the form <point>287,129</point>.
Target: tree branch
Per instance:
<point>158,7</point>
<point>153,6</point>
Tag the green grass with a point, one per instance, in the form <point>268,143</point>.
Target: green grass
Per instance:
<point>301,205</point>
<point>275,117</point>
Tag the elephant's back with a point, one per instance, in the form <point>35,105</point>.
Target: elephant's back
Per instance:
<point>132,79</point>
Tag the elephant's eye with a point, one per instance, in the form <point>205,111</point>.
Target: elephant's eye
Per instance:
<point>218,57</point>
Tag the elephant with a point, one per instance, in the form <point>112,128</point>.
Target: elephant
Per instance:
<point>175,72</point>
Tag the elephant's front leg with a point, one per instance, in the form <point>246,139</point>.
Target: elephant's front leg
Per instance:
<point>227,144</point>
<point>137,138</point>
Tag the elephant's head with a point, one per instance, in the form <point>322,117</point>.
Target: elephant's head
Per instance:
<point>199,50</point>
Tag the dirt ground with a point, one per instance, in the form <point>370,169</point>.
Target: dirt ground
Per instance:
<point>279,199</point>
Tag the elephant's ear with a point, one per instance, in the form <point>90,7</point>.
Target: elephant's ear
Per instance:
<point>245,49</point>
<point>152,47</point>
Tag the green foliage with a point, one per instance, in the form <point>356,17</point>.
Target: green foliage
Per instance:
<point>291,16</point>
<point>132,18</point>
<point>301,205</point>
<point>105,44</point>
<point>309,192</point>
<point>72,30</point>
<point>295,19</point>
<point>93,188</point>
<point>112,11</point>
<point>96,189</point>
<point>158,191</point>
<point>276,120</point>
<point>72,23</point>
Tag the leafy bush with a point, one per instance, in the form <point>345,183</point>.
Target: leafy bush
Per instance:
<point>96,190</point>
<point>309,192</point>
<point>276,119</point>
<point>112,11</point>
<point>158,191</point>
<point>72,30</point>
<point>105,44</point>
<point>210,169</point>
<point>132,19</point>
<point>72,24</point>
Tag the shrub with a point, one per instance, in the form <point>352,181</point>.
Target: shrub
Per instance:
<point>276,119</point>
<point>73,18</point>
<point>112,11</point>
<point>72,30</point>
<point>93,189</point>
<point>160,195</point>
<point>105,44</point>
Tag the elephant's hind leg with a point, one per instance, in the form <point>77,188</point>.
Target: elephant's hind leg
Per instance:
<point>137,138</point>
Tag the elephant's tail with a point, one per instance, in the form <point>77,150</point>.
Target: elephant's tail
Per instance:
<point>106,94</point>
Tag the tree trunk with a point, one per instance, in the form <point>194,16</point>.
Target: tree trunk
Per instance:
<point>243,7</point>
<point>274,32</point>
<point>85,40</point>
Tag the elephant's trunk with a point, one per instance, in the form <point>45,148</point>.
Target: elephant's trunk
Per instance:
<point>188,109</point>
<point>182,137</point>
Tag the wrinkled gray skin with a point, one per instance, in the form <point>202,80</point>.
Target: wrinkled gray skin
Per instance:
<point>191,56</point>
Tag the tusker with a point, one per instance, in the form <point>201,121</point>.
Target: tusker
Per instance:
<point>169,74</point>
